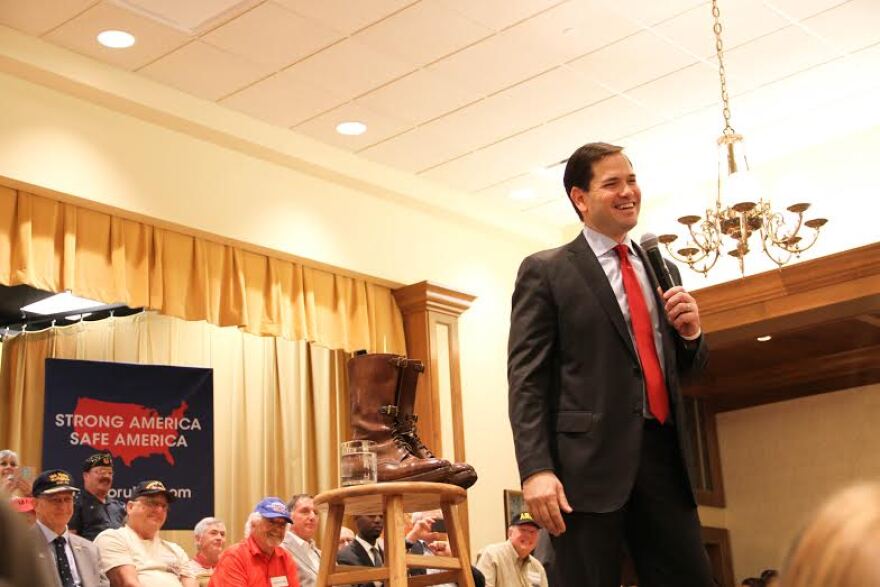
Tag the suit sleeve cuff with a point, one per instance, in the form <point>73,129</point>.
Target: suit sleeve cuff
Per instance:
<point>694,337</point>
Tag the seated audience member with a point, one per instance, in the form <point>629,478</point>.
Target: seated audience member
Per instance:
<point>346,537</point>
<point>74,560</point>
<point>134,555</point>
<point>752,582</point>
<point>25,507</point>
<point>20,564</point>
<point>510,563</point>
<point>259,560</point>
<point>94,510</point>
<point>423,539</point>
<point>299,540</point>
<point>13,480</point>
<point>770,577</point>
<point>840,546</point>
<point>364,550</point>
<point>210,538</point>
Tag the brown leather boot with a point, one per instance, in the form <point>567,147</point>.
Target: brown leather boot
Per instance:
<point>460,474</point>
<point>374,389</point>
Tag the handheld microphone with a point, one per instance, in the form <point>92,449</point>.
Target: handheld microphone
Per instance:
<point>651,246</point>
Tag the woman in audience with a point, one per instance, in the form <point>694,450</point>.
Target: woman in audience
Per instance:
<point>840,547</point>
<point>13,480</point>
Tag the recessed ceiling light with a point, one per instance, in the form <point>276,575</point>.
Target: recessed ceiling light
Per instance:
<point>351,128</point>
<point>764,338</point>
<point>116,39</point>
<point>522,194</point>
<point>60,303</point>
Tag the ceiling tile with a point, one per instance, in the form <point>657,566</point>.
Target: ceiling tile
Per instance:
<point>349,68</point>
<point>558,92</point>
<point>415,149</point>
<point>283,100</point>
<point>571,29</point>
<point>205,71</point>
<point>153,39</point>
<point>346,16</point>
<point>419,97</point>
<point>848,27</point>
<point>681,92</point>
<point>609,120</point>
<point>741,21</point>
<point>499,14</point>
<point>493,64</point>
<point>379,126</point>
<point>423,33</point>
<point>651,12</point>
<point>271,35</point>
<point>775,56</point>
<point>803,8</point>
<point>36,17</point>
<point>622,65</point>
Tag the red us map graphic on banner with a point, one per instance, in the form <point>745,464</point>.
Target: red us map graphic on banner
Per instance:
<point>127,430</point>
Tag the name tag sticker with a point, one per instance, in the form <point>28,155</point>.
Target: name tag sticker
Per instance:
<point>278,581</point>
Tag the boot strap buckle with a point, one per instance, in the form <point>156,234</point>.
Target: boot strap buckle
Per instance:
<point>389,411</point>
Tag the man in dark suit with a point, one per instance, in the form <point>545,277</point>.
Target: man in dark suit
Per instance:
<point>364,550</point>
<point>595,359</point>
<point>71,559</point>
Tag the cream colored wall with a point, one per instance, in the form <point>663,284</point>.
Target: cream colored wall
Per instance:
<point>781,460</point>
<point>63,143</point>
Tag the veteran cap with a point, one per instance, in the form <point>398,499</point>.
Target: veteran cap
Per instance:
<point>99,459</point>
<point>523,518</point>
<point>273,507</point>
<point>53,481</point>
<point>152,487</point>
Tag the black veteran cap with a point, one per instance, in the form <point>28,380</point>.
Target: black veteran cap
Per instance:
<point>523,518</point>
<point>99,459</point>
<point>151,488</point>
<point>53,481</point>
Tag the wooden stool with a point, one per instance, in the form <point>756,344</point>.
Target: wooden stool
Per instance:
<point>392,500</point>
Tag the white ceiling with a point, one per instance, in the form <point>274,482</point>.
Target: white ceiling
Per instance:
<point>486,96</point>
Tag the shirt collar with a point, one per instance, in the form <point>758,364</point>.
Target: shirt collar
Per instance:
<point>601,244</point>
<point>300,541</point>
<point>367,546</point>
<point>255,549</point>
<point>50,534</point>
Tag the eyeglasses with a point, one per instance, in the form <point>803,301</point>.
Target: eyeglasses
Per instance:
<point>154,504</point>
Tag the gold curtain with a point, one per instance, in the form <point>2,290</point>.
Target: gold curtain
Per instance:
<point>57,246</point>
<point>280,406</point>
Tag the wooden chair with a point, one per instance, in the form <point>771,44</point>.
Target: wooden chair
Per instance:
<point>392,500</point>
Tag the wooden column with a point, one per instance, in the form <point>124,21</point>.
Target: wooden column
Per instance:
<point>430,322</point>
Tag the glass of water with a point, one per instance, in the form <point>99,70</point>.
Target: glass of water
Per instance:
<point>357,463</point>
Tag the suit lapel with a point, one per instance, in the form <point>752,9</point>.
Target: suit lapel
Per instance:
<point>585,261</point>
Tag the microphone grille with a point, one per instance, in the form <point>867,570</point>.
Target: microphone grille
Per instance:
<point>649,241</point>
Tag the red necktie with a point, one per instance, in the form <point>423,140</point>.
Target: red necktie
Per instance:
<point>655,385</point>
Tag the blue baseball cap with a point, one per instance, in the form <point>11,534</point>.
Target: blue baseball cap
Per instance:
<point>273,507</point>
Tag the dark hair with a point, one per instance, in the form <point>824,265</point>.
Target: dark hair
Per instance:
<point>753,582</point>
<point>291,505</point>
<point>769,574</point>
<point>579,169</point>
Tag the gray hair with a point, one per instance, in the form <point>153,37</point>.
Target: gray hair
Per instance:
<point>203,525</point>
<point>419,516</point>
<point>6,453</point>
<point>249,524</point>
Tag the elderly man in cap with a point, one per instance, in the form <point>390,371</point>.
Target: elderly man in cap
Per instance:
<point>72,561</point>
<point>94,510</point>
<point>134,555</point>
<point>259,560</point>
<point>510,563</point>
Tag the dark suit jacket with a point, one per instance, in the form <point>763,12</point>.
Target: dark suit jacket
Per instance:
<point>575,382</point>
<point>85,553</point>
<point>354,554</point>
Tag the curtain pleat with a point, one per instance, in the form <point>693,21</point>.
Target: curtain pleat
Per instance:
<point>58,246</point>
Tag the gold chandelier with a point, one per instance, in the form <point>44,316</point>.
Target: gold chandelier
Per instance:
<point>732,227</point>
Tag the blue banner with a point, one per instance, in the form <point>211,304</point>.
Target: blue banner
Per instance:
<point>156,421</point>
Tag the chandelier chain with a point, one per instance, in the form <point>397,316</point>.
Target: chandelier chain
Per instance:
<point>722,73</point>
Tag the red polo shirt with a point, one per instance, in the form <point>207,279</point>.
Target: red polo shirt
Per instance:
<point>245,565</point>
